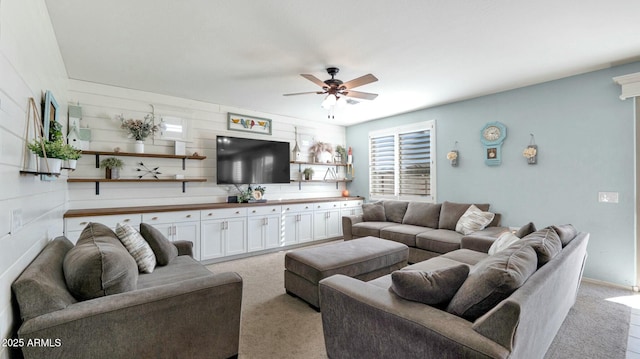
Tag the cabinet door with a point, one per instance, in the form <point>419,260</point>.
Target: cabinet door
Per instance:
<point>272,232</point>
<point>189,231</point>
<point>235,236</point>
<point>304,230</point>
<point>334,223</point>
<point>290,228</point>
<point>212,235</point>
<point>320,224</point>
<point>255,233</point>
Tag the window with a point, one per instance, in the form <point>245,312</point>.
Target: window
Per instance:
<point>402,163</point>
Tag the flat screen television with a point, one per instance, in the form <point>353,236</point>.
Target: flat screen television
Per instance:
<point>250,161</point>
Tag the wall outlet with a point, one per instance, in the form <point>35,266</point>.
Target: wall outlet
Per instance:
<point>16,220</point>
<point>608,197</point>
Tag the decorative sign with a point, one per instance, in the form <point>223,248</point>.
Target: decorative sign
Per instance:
<point>237,122</point>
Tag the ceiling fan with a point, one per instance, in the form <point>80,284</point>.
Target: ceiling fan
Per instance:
<point>337,88</point>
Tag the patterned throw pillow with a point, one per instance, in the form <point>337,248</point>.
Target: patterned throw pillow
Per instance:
<point>503,242</point>
<point>473,220</point>
<point>137,247</point>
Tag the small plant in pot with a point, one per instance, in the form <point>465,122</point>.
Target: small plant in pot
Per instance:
<point>71,157</point>
<point>308,173</point>
<point>51,154</point>
<point>112,167</point>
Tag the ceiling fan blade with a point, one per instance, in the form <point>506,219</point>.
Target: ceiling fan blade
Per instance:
<point>314,79</point>
<point>362,80</point>
<point>303,93</point>
<point>361,95</point>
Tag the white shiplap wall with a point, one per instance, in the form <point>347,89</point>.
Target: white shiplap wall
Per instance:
<point>30,63</point>
<point>100,104</point>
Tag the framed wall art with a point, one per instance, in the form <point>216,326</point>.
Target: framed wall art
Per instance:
<point>236,122</point>
<point>50,115</point>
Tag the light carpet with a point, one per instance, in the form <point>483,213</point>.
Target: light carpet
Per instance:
<point>277,325</point>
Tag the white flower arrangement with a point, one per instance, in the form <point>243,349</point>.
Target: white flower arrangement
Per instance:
<point>452,155</point>
<point>530,152</point>
<point>138,129</point>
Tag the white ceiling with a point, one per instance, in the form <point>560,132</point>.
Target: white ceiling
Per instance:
<point>247,53</point>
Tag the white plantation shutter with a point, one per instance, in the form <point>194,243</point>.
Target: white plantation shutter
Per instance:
<point>402,162</point>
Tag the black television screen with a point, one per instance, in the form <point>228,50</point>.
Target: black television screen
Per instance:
<point>249,161</point>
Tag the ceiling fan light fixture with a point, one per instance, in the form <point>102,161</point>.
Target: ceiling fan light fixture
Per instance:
<point>329,101</point>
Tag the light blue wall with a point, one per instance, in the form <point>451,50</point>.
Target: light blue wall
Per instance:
<point>585,137</point>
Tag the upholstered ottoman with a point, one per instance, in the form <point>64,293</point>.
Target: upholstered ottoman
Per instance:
<point>363,258</point>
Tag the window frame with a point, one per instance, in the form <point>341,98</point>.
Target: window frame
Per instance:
<point>396,132</point>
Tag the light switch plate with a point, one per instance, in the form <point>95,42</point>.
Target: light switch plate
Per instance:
<point>608,197</point>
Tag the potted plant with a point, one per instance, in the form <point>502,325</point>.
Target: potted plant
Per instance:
<point>51,154</point>
<point>112,167</point>
<point>308,173</point>
<point>71,157</point>
<point>341,154</point>
<point>139,129</point>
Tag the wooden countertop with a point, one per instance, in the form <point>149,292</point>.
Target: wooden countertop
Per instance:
<point>196,206</point>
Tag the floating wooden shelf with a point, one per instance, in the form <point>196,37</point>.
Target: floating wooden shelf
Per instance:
<point>39,173</point>
<point>336,181</point>
<point>320,164</point>
<point>97,181</point>
<point>132,154</point>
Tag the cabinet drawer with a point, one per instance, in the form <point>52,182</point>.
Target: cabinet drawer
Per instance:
<point>354,203</point>
<point>303,207</point>
<point>171,217</point>
<point>78,223</point>
<point>223,213</point>
<point>264,210</point>
<point>326,205</point>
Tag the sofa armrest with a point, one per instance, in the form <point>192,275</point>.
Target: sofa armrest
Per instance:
<point>396,328</point>
<point>185,248</point>
<point>347,223</point>
<point>195,318</point>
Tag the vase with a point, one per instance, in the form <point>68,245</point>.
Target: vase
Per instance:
<point>139,147</point>
<point>69,164</point>
<point>112,173</point>
<point>50,165</point>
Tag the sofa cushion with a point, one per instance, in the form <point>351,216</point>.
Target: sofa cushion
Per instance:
<point>492,280</point>
<point>433,288</point>
<point>546,243</point>
<point>439,240</point>
<point>182,268</point>
<point>99,265</point>
<point>466,256</point>
<point>395,210</point>
<point>567,233</point>
<point>473,220</point>
<point>162,248</point>
<point>41,288</point>
<point>403,233</point>
<point>422,214</point>
<point>526,230</point>
<point>451,212</point>
<point>503,242</point>
<point>137,247</point>
<point>373,212</point>
<point>365,229</point>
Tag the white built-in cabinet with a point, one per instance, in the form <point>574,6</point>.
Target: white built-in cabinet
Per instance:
<point>224,232</point>
<point>263,228</point>
<point>298,223</point>
<point>326,220</point>
<point>181,225</point>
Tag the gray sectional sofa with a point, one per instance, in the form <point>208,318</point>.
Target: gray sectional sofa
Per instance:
<point>180,310</point>
<point>428,229</point>
<point>510,305</point>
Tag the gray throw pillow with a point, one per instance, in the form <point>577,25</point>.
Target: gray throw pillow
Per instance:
<point>451,212</point>
<point>373,212</point>
<point>492,280</point>
<point>164,250</point>
<point>422,214</point>
<point>546,243</point>
<point>567,233</point>
<point>99,265</point>
<point>432,288</point>
<point>525,230</point>
<point>395,210</point>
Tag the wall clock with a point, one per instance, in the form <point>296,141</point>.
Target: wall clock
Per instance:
<point>492,135</point>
